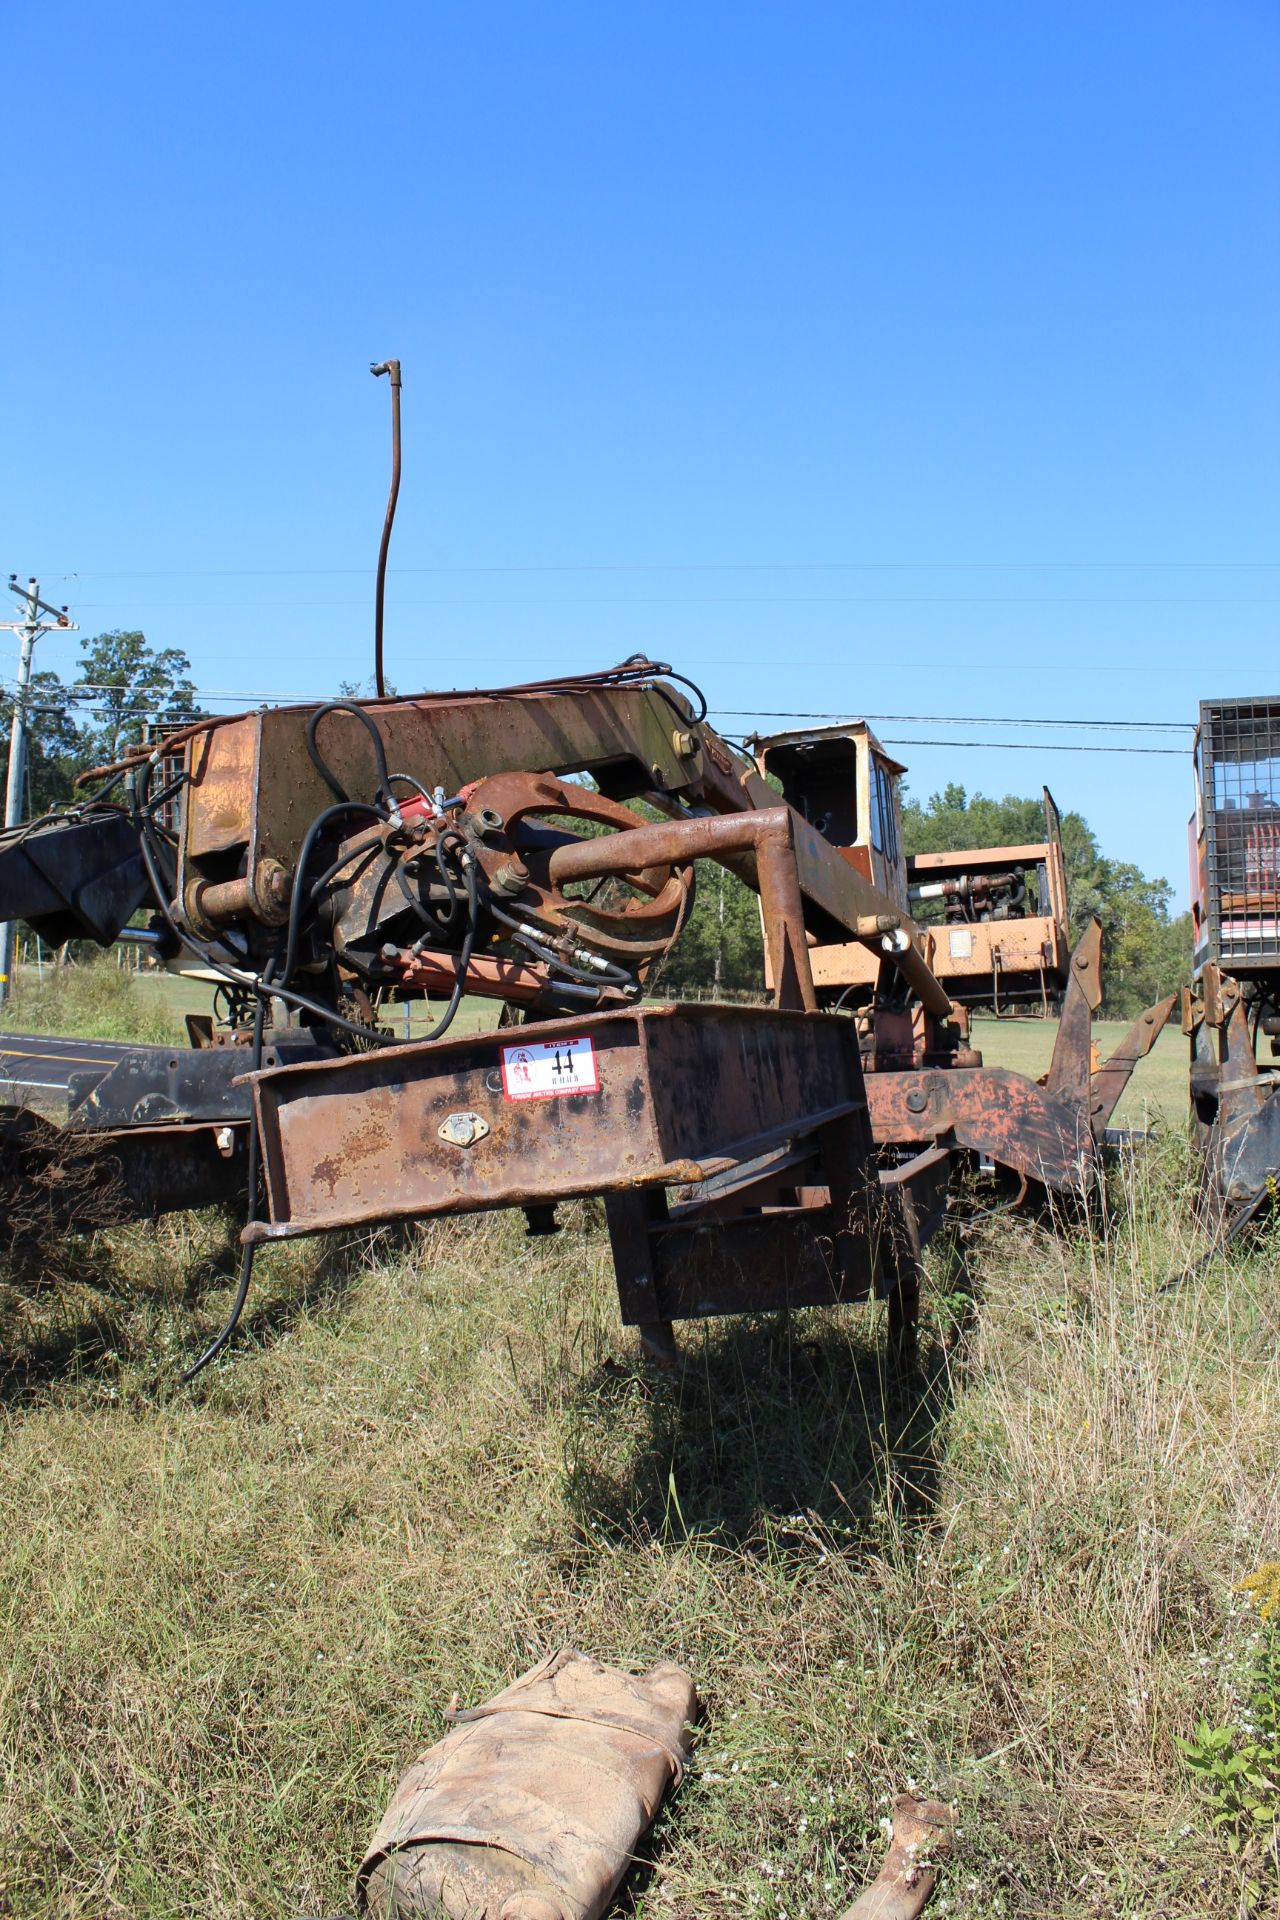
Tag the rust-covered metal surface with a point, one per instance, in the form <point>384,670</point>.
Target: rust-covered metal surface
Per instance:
<point>58,1179</point>
<point>990,1111</point>
<point>535,1804</point>
<point>678,1092</point>
<point>256,788</point>
<point>1003,933</point>
<point>1235,1102</point>
<point>1107,1085</point>
<point>921,1838</point>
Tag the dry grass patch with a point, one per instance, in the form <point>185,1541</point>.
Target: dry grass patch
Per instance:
<point>233,1614</point>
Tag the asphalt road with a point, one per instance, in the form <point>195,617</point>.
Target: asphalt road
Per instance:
<point>38,1068</point>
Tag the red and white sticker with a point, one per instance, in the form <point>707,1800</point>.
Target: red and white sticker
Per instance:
<point>545,1069</point>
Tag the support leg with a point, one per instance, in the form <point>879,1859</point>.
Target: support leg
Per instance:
<point>903,1350</point>
<point>629,1216</point>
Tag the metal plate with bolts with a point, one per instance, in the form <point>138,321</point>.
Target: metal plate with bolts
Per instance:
<point>463,1129</point>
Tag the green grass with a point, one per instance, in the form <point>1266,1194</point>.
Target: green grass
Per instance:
<point>98,1000</point>
<point>233,1613</point>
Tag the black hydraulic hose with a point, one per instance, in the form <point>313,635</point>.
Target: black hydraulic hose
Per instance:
<point>365,853</point>
<point>415,783</point>
<point>296,902</point>
<point>533,935</point>
<point>166,793</point>
<point>683,681</point>
<point>216,1345</point>
<point>292,998</point>
<point>109,787</point>
<point>322,767</point>
<point>434,923</point>
<point>464,958</point>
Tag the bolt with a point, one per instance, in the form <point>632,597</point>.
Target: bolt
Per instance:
<point>225,1141</point>
<point>685,744</point>
<point>512,876</point>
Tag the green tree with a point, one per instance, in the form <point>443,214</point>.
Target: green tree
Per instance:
<point>55,743</point>
<point>123,684</point>
<point>721,946</point>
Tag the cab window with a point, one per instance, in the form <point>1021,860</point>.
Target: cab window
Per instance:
<point>884,836</point>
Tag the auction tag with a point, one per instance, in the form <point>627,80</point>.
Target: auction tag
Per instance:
<point>544,1069</point>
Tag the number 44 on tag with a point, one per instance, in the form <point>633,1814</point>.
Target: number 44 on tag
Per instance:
<point>545,1069</point>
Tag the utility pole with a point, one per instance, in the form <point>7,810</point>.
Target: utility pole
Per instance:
<point>31,626</point>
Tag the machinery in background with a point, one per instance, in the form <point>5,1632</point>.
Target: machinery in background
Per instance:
<point>1231,1014</point>
<point>996,918</point>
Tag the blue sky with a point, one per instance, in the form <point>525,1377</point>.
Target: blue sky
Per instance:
<point>889,359</point>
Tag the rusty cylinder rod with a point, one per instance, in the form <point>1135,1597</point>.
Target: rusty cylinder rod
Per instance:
<point>769,834</point>
<point>393,368</point>
<point>764,832</point>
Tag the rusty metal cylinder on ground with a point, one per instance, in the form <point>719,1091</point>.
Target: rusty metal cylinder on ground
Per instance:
<point>532,1806</point>
<point>921,1837</point>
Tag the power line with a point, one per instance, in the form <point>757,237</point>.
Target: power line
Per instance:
<point>141,705</point>
<point>687,566</point>
<point>1038,746</point>
<point>733,600</point>
<point>964,720</point>
<point>258,697</point>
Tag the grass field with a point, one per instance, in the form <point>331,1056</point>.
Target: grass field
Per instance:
<point>101,1001</point>
<point>234,1612</point>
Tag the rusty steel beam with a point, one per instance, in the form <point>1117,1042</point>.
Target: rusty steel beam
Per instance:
<point>1069,1069</point>
<point>778,840</point>
<point>990,1111</point>
<point>433,1128</point>
<point>56,1179</point>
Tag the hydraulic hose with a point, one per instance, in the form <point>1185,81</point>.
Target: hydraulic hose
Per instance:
<point>383,791</point>
<point>216,1345</point>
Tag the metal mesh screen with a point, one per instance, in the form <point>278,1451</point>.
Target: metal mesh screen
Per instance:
<point>1240,741</point>
<point>169,770</point>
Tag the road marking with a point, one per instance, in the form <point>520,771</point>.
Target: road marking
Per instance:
<point>74,1059</point>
